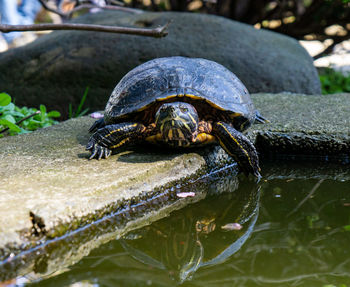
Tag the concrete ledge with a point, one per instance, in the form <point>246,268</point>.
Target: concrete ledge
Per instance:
<point>307,125</point>
<point>47,173</point>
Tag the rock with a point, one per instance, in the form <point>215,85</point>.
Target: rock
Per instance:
<point>47,173</point>
<point>56,68</point>
<point>305,125</point>
<point>49,188</point>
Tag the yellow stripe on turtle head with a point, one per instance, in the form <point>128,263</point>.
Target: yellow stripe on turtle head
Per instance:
<point>180,134</point>
<point>186,125</point>
<point>192,119</point>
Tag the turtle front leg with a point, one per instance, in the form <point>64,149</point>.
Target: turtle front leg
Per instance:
<point>113,136</point>
<point>97,125</point>
<point>238,146</point>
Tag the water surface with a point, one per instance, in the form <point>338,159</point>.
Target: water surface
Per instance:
<point>292,229</point>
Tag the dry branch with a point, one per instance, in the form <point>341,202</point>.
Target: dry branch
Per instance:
<point>155,32</point>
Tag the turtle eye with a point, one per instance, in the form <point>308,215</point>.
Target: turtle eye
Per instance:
<point>184,110</point>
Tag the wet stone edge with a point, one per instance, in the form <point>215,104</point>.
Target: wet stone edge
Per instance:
<point>316,147</point>
<point>60,239</point>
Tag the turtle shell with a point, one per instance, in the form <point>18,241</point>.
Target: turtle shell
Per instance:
<point>163,79</point>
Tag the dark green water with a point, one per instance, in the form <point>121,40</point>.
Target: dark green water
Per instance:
<point>295,231</point>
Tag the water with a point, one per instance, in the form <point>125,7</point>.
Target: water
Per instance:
<point>293,229</point>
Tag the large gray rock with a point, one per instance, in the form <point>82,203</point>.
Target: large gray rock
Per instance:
<point>56,69</point>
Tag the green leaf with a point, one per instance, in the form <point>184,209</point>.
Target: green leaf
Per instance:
<point>9,118</point>
<point>83,112</point>
<point>10,114</point>
<point>10,107</point>
<point>42,109</point>
<point>5,99</point>
<point>10,125</point>
<point>24,110</point>
<point>54,114</point>
<point>347,227</point>
<point>37,117</point>
<point>17,114</point>
<point>70,111</point>
<point>42,112</point>
<point>334,82</point>
<point>44,125</point>
<point>82,101</point>
<point>23,131</point>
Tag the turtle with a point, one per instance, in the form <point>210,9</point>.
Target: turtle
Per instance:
<point>179,102</point>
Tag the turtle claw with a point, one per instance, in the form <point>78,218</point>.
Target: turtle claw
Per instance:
<point>100,152</point>
<point>89,145</point>
<point>97,151</point>
<point>105,153</point>
<point>108,152</point>
<point>93,152</point>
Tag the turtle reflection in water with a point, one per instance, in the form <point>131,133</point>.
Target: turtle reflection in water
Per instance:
<point>179,102</point>
<point>192,237</point>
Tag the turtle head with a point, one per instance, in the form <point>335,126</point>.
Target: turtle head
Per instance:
<point>177,122</point>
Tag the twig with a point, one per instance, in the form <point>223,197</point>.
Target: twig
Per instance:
<point>307,197</point>
<point>156,32</point>
<point>21,120</point>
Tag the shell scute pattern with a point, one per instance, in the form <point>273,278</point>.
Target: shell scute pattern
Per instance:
<point>159,78</point>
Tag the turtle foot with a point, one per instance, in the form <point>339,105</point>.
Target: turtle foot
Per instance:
<point>97,151</point>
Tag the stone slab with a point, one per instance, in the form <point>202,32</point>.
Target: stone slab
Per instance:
<point>47,171</point>
<point>304,125</point>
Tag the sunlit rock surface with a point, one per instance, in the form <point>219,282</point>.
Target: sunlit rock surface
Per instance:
<point>47,172</point>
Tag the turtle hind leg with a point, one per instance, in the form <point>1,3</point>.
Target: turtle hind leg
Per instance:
<point>239,147</point>
<point>110,137</point>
